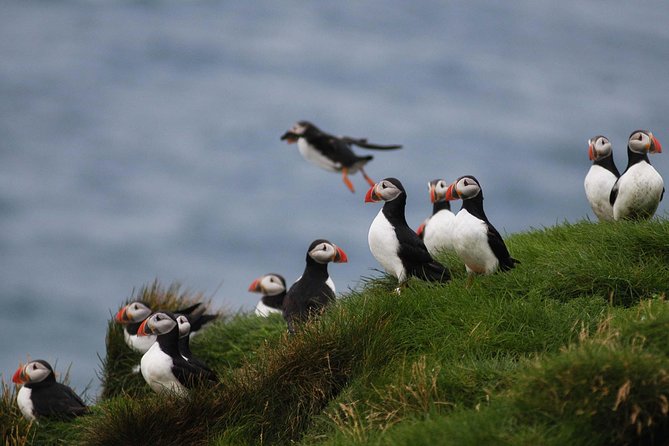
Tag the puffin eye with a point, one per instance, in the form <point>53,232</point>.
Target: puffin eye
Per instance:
<point>383,185</point>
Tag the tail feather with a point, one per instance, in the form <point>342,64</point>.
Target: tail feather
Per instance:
<point>432,272</point>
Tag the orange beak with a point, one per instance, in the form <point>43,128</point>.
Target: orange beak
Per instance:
<point>656,146</point>
<point>421,229</point>
<point>370,196</point>
<point>452,193</point>
<point>255,286</point>
<point>121,316</point>
<point>141,331</point>
<point>591,152</point>
<point>20,376</point>
<point>433,196</point>
<point>340,257</point>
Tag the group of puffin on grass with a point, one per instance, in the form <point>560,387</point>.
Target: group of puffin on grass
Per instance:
<point>162,337</point>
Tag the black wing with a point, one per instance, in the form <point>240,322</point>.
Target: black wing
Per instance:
<point>418,260</point>
<point>614,192</point>
<point>362,142</point>
<point>188,374</point>
<point>188,310</point>
<point>506,262</point>
<point>197,322</point>
<point>58,400</point>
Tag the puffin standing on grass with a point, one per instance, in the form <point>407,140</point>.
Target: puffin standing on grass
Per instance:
<point>601,177</point>
<point>639,190</point>
<point>437,230</point>
<point>330,152</point>
<point>162,366</point>
<point>393,243</point>
<point>477,242</point>
<point>314,289</point>
<point>42,396</point>
<point>273,288</point>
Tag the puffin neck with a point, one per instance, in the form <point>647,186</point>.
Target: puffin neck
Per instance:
<point>315,269</point>
<point>633,158</point>
<point>474,206</point>
<point>440,206</point>
<point>46,382</point>
<point>184,346</point>
<point>169,342</point>
<point>133,327</point>
<point>394,210</point>
<point>608,164</point>
<point>274,301</point>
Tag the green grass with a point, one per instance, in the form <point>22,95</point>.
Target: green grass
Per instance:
<point>571,347</point>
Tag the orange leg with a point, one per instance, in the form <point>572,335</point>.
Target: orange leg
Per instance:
<point>347,182</point>
<point>369,180</point>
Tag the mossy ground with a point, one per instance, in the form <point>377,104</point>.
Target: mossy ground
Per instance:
<point>568,348</point>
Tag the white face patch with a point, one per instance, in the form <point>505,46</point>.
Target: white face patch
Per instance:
<point>271,285</point>
<point>36,372</point>
<point>160,323</point>
<point>184,325</point>
<point>387,191</point>
<point>137,311</point>
<point>468,188</point>
<point>323,253</point>
<point>639,142</point>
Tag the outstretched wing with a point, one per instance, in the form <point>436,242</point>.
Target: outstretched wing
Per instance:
<point>362,142</point>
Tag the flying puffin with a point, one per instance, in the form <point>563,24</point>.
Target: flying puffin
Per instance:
<point>330,152</point>
<point>476,241</point>
<point>393,243</point>
<point>273,288</point>
<point>639,190</point>
<point>437,230</point>
<point>184,348</point>
<point>133,314</point>
<point>601,177</point>
<point>42,396</point>
<point>314,289</point>
<point>162,366</point>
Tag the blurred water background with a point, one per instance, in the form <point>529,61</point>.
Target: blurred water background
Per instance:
<point>140,139</point>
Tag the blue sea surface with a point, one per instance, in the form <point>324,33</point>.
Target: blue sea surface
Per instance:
<point>140,139</point>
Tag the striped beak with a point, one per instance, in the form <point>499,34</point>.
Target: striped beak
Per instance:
<point>655,146</point>
<point>340,256</point>
<point>122,316</point>
<point>20,376</point>
<point>452,193</point>
<point>591,151</point>
<point>371,196</point>
<point>143,330</point>
<point>255,286</point>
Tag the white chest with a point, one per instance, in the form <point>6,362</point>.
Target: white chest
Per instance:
<point>156,367</point>
<point>639,191</point>
<point>598,184</point>
<point>315,157</point>
<point>25,403</point>
<point>471,244</point>
<point>264,310</point>
<point>140,344</point>
<point>384,246</point>
<point>439,232</point>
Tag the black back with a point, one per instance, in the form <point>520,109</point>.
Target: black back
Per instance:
<point>330,146</point>
<point>415,257</point>
<point>309,294</point>
<point>184,348</point>
<point>474,206</point>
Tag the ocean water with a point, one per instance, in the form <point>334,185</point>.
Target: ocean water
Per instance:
<point>140,139</point>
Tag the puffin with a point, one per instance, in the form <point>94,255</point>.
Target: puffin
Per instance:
<point>639,190</point>
<point>273,288</point>
<point>476,241</point>
<point>133,314</point>
<point>330,152</point>
<point>437,230</point>
<point>162,366</point>
<point>393,243</point>
<point>601,177</point>
<point>314,289</point>
<point>42,396</point>
<point>184,347</point>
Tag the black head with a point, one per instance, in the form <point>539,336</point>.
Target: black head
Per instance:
<point>270,284</point>
<point>323,251</point>
<point>387,189</point>
<point>35,371</point>
<point>643,142</point>
<point>466,187</point>
<point>298,130</point>
<point>599,147</point>
<point>159,323</point>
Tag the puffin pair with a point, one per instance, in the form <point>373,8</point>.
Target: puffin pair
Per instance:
<point>437,230</point>
<point>168,365</point>
<point>314,289</point>
<point>633,195</point>
<point>330,152</point>
<point>133,314</point>
<point>273,288</point>
<point>42,396</point>
<point>393,243</point>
